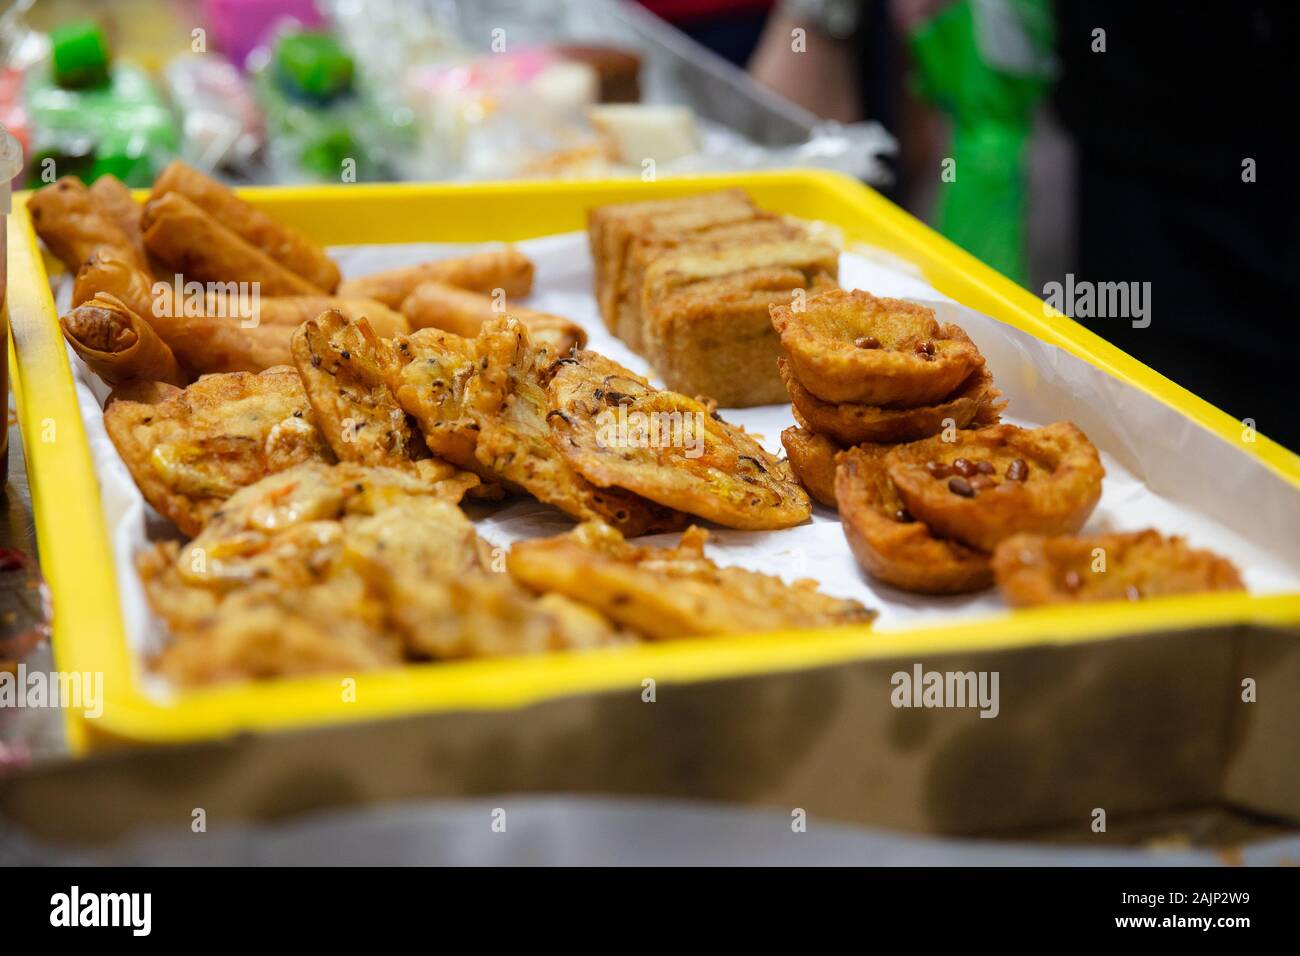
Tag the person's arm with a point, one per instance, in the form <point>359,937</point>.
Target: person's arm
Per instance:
<point>817,67</point>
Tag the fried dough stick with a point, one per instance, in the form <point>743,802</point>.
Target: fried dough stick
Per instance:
<point>74,226</point>
<point>283,244</point>
<point>189,240</point>
<point>118,345</point>
<point>506,269</point>
<point>453,309</point>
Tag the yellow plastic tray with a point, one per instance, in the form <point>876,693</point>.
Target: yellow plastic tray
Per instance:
<point>75,553</point>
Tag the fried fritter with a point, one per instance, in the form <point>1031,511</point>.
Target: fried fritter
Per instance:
<point>345,568</point>
<point>975,404</point>
<point>666,593</point>
<point>891,544</point>
<point>854,347</point>
<point>991,483</point>
<point>354,407</point>
<point>1033,569</point>
<point>812,459</point>
<point>616,430</point>
<point>193,450</point>
<point>481,405</point>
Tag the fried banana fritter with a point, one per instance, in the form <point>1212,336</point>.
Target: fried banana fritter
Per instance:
<point>354,407</point>
<point>666,593</point>
<point>481,405</point>
<point>616,430</point>
<point>193,450</point>
<point>345,568</point>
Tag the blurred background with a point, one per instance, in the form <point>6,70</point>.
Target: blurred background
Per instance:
<point>1123,160</point>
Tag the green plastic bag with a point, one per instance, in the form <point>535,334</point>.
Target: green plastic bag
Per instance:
<point>987,64</point>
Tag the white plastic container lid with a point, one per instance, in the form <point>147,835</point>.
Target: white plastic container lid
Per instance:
<point>11,161</point>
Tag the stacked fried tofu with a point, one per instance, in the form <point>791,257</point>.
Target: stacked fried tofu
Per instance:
<point>688,283</point>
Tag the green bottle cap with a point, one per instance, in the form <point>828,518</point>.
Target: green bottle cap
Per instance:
<point>80,55</point>
<point>313,65</point>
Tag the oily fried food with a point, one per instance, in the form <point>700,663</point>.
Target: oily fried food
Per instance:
<point>610,230</point>
<point>888,542</point>
<point>990,483</point>
<point>293,310</point>
<point>616,430</point>
<point>508,270</point>
<point>354,408</point>
<point>190,452</point>
<point>705,315</point>
<point>855,347</point>
<point>113,197</point>
<point>667,593</point>
<point>278,241</point>
<point>453,309</point>
<point>203,341</point>
<point>118,345</point>
<point>481,405</point>
<point>812,459</point>
<point>344,568</point>
<point>74,226</point>
<point>1034,569</point>
<point>976,403</point>
<point>200,248</point>
<point>262,530</point>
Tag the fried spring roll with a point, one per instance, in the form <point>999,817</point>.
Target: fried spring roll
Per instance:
<point>283,244</point>
<point>74,226</point>
<point>506,269</point>
<point>144,393</point>
<point>185,237</point>
<point>113,198</point>
<point>118,345</point>
<point>201,340</point>
<point>441,306</point>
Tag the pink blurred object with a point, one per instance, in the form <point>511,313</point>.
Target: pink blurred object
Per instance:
<point>13,116</point>
<point>238,26</point>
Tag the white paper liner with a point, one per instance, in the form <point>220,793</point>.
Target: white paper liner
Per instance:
<point>1162,470</point>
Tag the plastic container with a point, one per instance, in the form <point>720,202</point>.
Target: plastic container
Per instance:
<point>89,634</point>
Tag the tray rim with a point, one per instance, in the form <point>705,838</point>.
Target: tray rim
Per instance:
<point>77,556</point>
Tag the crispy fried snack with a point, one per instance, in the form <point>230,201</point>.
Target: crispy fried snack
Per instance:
<point>1033,569</point>
<point>892,545</point>
<point>667,593</point>
<point>481,405</point>
<point>616,430</point>
<point>354,408</point>
<point>975,404</point>
<point>202,341</point>
<point>610,229</point>
<point>853,347</point>
<point>506,269</point>
<point>812,459</point>
<point>281,243</point>
<point>199,247</point>
<point>245,540</point>
<point>705,315</point>
<point>74,226</point>
<point>701,229</point>
<point>192,451</point>
<point>344,568</point>
<point>118,345</point>
<point>991,483</point>
<point>293,310</point>
<point>453,309</point>
<point>114,199</point>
